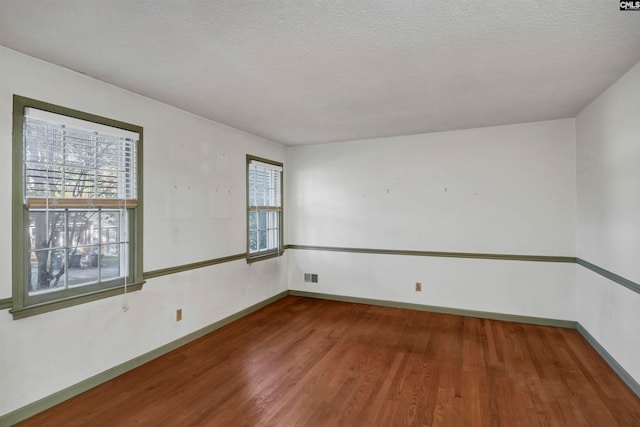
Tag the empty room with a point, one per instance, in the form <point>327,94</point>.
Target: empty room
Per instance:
<point>319,213</point>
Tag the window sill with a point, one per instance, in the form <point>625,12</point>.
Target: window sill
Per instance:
<point>45,307</point>
<point>254,258</point>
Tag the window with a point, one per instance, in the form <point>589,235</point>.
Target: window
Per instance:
<point>77,207</point>
<point>264,208</point>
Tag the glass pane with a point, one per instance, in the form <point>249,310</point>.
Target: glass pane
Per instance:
<point>112,262</point>
<point>259,182</point>
<point>107,184</point>
<point>253,241</point>
<point>83,265</point>
<point>42,159</point>
<point>46,272</point>
<point>262,220</point>
<point>43,180</point>
<point>273,238</point>
<point>82,227</point>
<point>262,240</point>
<point>46,230</point>
<point>252,186</point>
<point>253,220</point>
<point>109,166</point>
<point>273,220</point>
<point>110,227</point>
<point>66,161</point>
<point>78,183</point>
<point>273,188</point>
<point>79,147</point>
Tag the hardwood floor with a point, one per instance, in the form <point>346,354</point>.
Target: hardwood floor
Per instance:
<point>324,363</point>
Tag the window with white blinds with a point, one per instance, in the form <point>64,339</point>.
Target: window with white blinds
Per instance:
<point>78,213</point>
<point>84,164</point>
<point>264,208</point>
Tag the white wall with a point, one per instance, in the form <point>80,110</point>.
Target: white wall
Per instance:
<point>510,287</point>
<point>507,190</point>
<point>194,201</point>
<point>608,224</point>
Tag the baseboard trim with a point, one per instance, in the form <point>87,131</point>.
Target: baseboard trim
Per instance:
<point>611,361</point>
<point>540,321</point>
<point>47,402</point>
<point>6,303</point>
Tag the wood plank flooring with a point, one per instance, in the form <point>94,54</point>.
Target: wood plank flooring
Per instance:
<point>306,362</point>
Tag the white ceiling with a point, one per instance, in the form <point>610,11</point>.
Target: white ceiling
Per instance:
<point>313,71</point>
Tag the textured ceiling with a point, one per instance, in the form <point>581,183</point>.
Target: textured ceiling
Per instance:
<point>312,71</point>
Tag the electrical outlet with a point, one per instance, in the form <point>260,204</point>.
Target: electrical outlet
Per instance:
<point>178,315</point>
<point>418,287</point>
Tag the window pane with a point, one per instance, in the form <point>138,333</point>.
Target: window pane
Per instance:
<point>43,180</point>
<point>78,183</point>
<point>262,239</point>
<point>79,147</point>
<point>253,220</point>
<point>107,174</point>
<point>63,160</point>
<point>81,226</point>
<point>260,177</point>
<point>270,240</point>
<point>107,185</point>
<point>273,220</point>
<point>252,186</point>
<point>83,265</point>
<point>253,241</point>
<point>46,270</point>
<point>46,230</point>
<point>262,220</point>
<point>111,262</point>
<point>110,227</point>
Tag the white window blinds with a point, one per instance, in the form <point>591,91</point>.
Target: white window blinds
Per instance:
<point>78,163</point>
<point>264,185</point>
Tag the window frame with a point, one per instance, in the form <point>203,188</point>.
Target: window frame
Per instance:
<point>24,305</point>
<point>270,253</point>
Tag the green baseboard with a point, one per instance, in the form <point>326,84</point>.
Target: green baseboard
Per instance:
<point>71,391</point>
<point>541,321</point>
<point>613,363</point>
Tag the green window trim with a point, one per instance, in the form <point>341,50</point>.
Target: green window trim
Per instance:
<point>278,249</point>
<point>35,309</point>
<point>24,305</point>
<point>6,303</point>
